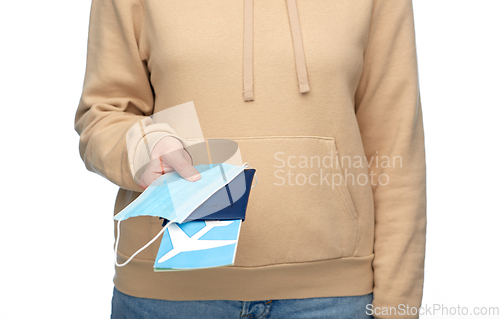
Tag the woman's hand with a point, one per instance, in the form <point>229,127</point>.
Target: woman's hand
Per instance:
<point>168,155</point>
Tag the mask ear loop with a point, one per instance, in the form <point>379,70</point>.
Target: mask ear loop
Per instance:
<point>143,247</point>
<point>246,165</point>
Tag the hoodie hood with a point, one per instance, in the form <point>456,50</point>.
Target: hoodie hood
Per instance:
<point>298,48</point>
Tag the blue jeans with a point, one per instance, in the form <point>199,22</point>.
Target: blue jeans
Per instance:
<point>349,307</point>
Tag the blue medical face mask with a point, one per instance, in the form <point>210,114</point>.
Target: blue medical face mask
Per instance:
<point>172,197</point>
<point>221,193</point>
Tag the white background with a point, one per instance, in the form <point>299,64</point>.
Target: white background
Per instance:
<point>56,232</point>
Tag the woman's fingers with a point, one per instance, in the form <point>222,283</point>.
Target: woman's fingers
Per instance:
<point>182,165</point>
<point>148,177</point>
<point>168,155</point>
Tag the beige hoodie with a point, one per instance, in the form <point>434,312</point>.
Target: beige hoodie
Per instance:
<point>295,84</point>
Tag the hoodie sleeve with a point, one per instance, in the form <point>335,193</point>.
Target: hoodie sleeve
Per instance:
<point>113,118</point>
<point>388,110</point>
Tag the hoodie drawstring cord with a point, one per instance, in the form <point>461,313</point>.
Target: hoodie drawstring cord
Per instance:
<point>298,48</point>
<point>248,52</point>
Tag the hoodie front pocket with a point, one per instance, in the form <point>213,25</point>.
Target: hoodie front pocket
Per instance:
<point>301,209</point>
